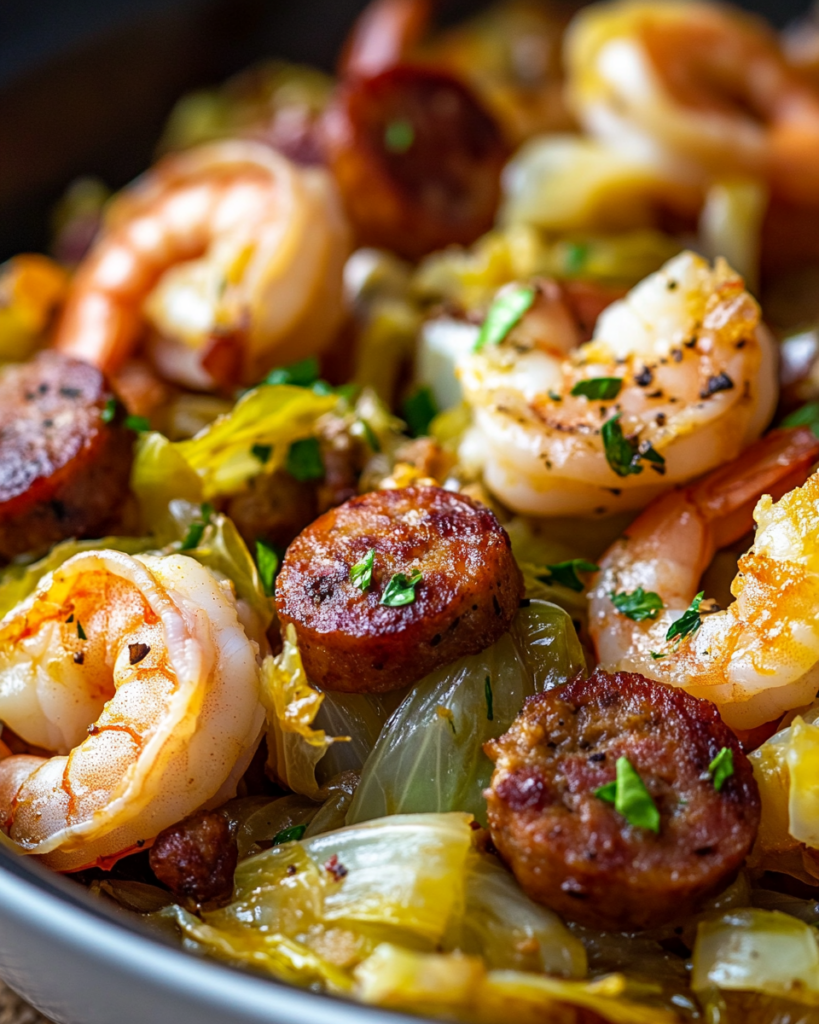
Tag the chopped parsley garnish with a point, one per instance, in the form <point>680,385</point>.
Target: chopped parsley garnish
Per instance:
<point>267,562</point>
<point>262,452</point>
<point>361,574</point>
<point>419,410</point>
<point>505,312</point>
<point>487,689</point>
<point>197,528</point>
<point>139,424</point>
<point>399,136</point>
<point>109,412</point>
<point>689,621</point>
<point>630,797</point>
<point>576,254</point>
<point>302,374</point>
<point>370,436</point>
<point>289,835</point>
<point>598,388</point>
<point>638,605</point>
<point>722,767</point>
<point>400,590</point>
<point>565,573</point>
<point>81,631</point>
<point>304,460</point>
<point>623,454</point>
<point>806,416</point>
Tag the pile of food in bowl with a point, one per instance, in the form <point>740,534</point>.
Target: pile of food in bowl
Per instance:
<point>410,532</point>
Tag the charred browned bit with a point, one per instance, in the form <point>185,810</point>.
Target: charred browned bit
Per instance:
<point>196,858</point>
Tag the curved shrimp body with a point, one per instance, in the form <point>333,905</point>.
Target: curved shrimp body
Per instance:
<point>692,379</point>
<point>229,253</point>
<point>137,673</point>
<point>699,85</point>
<point>759,657</point>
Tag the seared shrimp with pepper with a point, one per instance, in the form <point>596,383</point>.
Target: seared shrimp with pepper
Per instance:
<point>678,377</point>
<point>759,657</point>
<point>137,673</point>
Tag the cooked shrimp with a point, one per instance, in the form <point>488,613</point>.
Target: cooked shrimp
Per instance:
<point>229,252</point>
<point>760,656</point>
<point>700,83</point>
<point>695,382</point>
<point>385,33</point>
<point>137,673</point>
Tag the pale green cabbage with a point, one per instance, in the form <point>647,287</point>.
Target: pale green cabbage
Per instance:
<point>429,756</point>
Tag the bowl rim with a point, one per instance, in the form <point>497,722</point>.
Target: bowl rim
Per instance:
<point>108,936</point>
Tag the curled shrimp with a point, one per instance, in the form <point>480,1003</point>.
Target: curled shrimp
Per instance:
<point>700,83</point>
<point>137,673</point>
<point>228,252</point>
<point>759,657</point>
<point>691,382</point>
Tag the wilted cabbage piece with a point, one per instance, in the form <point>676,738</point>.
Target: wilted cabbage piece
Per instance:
<point>314,910</point>
<point>754,950</point>
<point>429,756</point>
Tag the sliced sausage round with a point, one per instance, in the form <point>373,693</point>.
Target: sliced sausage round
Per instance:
<point>65,457</point>
<point>570,849</point>
<point>465,598</point>
<point>417,158</point>
<point>196,858</point>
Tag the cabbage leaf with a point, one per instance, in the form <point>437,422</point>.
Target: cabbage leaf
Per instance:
<point>429,756</point>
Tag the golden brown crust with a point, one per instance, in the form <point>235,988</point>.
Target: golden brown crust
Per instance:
<point>63,470</point>
<point>468,595</point>
<point>573,851</point>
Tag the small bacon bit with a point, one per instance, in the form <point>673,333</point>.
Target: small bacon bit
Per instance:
<point>335,867</point>
<point>136,652</point>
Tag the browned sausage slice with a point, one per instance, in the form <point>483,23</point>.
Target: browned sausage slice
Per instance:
<point>63,469</point>
<point>571,849</point>
<point>469,590</point>
<point>196,858</point>
<point>417,158</point>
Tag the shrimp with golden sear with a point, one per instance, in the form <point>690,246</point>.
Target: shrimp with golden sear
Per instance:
<point>677,379</point>
<point>228,254</point>
<point>759,657</point>
<point>137,673</point>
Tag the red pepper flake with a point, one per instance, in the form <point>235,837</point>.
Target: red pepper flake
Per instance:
<point>336,868</point>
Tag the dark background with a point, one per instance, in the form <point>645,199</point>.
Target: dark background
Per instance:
<point>85,85</point>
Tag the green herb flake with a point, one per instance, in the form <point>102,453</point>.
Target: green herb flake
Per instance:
<point>361,574</point>
<point>109,412</point>
<point>322,387</point>
<point>576,254</point>
<point>289,835</point>
<point>565,573</point>
<point>506,311</point>
<point>399,136</point>
<point>82,636</point>
<point>302,374</point>
<point>267,562</point>
<point>607,792</point>
<point>624,454</point>
<point>630,797</point>
<point>638,605</point>
<point>805,416</point>
<point>304,460</point>
<point>400,590</point>
<point>370,436</point>
<point>487,689</point>
<point>656,655</point>
<point>598,388</point>
<point>689,621</point>
<point>419,410</point>
<point>139,424</point>
<point>262,452</point>
<point>722,768</point>
<point>196,530</point>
